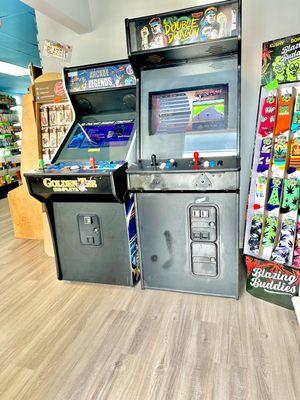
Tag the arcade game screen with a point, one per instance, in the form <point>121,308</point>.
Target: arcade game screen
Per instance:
<point>101,135</point>
<point>189,110</point>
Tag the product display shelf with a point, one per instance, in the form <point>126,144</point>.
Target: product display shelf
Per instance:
<point>9,144</point>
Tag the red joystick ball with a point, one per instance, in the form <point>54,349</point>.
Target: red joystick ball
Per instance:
<point>93,162</point>
<point>196,157</point>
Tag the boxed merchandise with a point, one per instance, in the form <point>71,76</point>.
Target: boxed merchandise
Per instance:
<point>52,137</point>
<point>60,134</point>
<point>60,115</point>
<point>52,115</point>
<point>44,115</point>
<point>45,137</point>
<point>68,114</point>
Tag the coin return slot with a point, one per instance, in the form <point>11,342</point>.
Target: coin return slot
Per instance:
<point>204,259</point>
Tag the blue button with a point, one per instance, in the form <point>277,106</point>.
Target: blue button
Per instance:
<point>168,165</point>
<point>212,163</point>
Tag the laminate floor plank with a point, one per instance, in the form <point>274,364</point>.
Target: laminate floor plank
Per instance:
<point>79,341</point>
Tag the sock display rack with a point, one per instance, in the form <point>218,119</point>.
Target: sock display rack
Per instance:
<point>272,236</point>
<point>10,144</point>
<point>55,120</point>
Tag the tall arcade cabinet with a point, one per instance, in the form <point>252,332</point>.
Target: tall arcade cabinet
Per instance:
<point>186,180</point>
<point>272,236</point>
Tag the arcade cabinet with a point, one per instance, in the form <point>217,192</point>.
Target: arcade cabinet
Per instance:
<point>84,189</point>
<point>186,179</point>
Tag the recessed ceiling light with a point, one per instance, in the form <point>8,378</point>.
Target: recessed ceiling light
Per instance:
<point>12,69</point>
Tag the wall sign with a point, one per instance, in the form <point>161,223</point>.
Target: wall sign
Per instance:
<point>57,50</point>
<point>272,282</point>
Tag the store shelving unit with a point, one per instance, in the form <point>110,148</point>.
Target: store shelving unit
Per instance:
<point>10,144</point>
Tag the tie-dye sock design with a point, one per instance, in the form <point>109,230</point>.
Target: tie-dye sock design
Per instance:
<point>265,155</point>
<point>295,152</point>
<point>290,196</point>
<point>268,116</point>
<point>283,253</point>
<point>296,116</point>
<point>255,233</point>
<point>269,233</point>
<point>280,152</point>
<point>274,194</point>
<point>296,260</point>
<point>284,114</point>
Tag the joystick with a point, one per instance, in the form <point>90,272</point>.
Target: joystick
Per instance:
<point>153,160</point>
<point>196,157</point>
<point>41,164</point>
<point>92,162</point>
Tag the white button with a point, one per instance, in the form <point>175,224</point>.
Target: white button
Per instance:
<point>206,164</point>
<point>162,165</point>
<point>172,160</point>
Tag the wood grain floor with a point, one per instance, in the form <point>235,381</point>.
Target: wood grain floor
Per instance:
<point>73,341</point>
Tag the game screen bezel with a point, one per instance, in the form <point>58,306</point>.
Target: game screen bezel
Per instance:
<point>192,126</point>
<point>104,140</point>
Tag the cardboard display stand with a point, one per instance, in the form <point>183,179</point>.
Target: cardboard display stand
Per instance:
<point>272,235</point>
<point>29,219</point>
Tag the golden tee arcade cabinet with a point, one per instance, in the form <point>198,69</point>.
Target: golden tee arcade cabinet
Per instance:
<point>186,179</point>
<point>90,212</point>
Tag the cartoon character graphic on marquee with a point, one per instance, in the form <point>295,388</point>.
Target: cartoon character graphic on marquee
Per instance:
<point>159,39</point>
<point>201,26</point>
<point>213,24</point>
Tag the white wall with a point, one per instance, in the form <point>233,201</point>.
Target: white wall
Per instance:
<point>261,21</point>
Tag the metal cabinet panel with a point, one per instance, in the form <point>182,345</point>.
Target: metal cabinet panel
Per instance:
<point>170,255</point>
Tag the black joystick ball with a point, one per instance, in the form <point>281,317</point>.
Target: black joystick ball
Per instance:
<point>153,160</point>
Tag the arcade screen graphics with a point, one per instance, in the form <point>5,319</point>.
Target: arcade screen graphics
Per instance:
<point>189,110</point>
<point>101,135</point>
<point>202,25</point>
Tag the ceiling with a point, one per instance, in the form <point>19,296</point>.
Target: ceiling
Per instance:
<point>18,43</point>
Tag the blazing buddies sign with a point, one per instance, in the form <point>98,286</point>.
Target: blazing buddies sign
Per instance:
<point>272,282</point>
<point>281,60</point>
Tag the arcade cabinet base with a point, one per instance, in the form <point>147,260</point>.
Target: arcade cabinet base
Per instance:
<point>92,242</point>
<point>189,242</point>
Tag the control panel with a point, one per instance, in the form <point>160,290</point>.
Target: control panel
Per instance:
<point>196,174</point>
<point>195,164</point>
<point>91,166</point>
<point>203,235</point>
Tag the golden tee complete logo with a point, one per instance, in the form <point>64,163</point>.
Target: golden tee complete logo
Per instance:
<point>70,185</point>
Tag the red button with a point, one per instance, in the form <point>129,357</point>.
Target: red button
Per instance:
<point>196,157</point>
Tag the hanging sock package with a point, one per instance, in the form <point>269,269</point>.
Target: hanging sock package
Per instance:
<point>284,114</point>
<point>268,115</point>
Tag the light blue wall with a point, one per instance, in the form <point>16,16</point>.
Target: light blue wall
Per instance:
<point>18,42</point>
